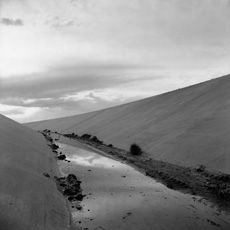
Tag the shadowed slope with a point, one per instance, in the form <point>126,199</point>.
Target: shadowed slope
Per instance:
<point>189,126</point>
<point>28,199</point>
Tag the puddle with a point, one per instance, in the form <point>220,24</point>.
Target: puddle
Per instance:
<point>120,197</point>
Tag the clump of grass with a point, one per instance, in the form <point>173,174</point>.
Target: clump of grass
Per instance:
<point>201,168</point>
<point>135,150</point>
<point>86,136</point>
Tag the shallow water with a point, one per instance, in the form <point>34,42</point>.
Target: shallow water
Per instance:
<point>120,197</point>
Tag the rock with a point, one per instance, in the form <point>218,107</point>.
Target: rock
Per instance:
<point>80,197</point>
<point>71,178</point>
<point>46,175</point>
<point>54,146</point>
<point>78,207</point>
<point>71,187</point>
<point>61,157</point>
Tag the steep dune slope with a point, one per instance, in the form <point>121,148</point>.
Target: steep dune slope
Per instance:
<point>28,199</point>
<point>189,126</point>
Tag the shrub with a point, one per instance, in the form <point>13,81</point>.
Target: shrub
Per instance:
<point>201,168</point>
<point>94,139</point>
<point>135,150</point>
<point>86,136</point>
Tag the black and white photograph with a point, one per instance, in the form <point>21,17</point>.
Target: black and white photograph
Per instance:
<point>114,114</point>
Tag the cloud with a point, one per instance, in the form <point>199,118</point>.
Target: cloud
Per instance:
<point>65,80</point>
<point>58,23</point>
<point>63,64</point>
<point>18,112</point>
<point>11,22</point>
<point>70,90</point>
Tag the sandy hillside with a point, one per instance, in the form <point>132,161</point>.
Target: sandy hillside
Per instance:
<point>28,199</point>
<point>189,126</point>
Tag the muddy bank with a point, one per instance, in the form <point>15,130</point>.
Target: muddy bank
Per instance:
<point>69,186</point>
<point>120,197</point>
<point>215,186</point>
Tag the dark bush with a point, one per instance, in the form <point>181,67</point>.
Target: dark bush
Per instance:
<point>223,178</point>
<point>70,135</point>
<point>86,136</point>
<point>110,145</point>
<point>95,139</point>
<point>135,150</point>
<point>201,168</point>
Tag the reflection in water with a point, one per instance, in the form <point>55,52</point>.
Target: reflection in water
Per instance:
<point>91,159</point>
<point>119,197</point>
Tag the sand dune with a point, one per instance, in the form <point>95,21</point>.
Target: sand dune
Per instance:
<point>28,199</point>
<point>188,126</point>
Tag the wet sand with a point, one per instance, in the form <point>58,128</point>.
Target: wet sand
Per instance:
<point>213,185</point>
<point>120,197</point>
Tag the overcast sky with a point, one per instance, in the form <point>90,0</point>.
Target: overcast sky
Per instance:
<point>65,57</point>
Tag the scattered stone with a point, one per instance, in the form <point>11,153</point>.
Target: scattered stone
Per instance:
<point>54,146</point>
<point>70,187</point>
<point>46,175</point>
<point>61,157</point>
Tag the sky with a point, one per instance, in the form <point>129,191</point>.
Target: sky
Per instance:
<point>64,57</point>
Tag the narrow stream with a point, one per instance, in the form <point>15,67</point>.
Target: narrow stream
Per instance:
<point>120,197</point>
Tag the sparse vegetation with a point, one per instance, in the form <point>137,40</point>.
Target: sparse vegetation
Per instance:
<point>96,140</point>
<point>86,136</point>
<point>135,150</point>
<point>72,135</point>
<point>197,181</point>
<point>201,168</point>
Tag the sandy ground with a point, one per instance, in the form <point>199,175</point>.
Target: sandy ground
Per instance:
<point>120,197</point>
<point>187,127</point>
<point>28,199</point>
